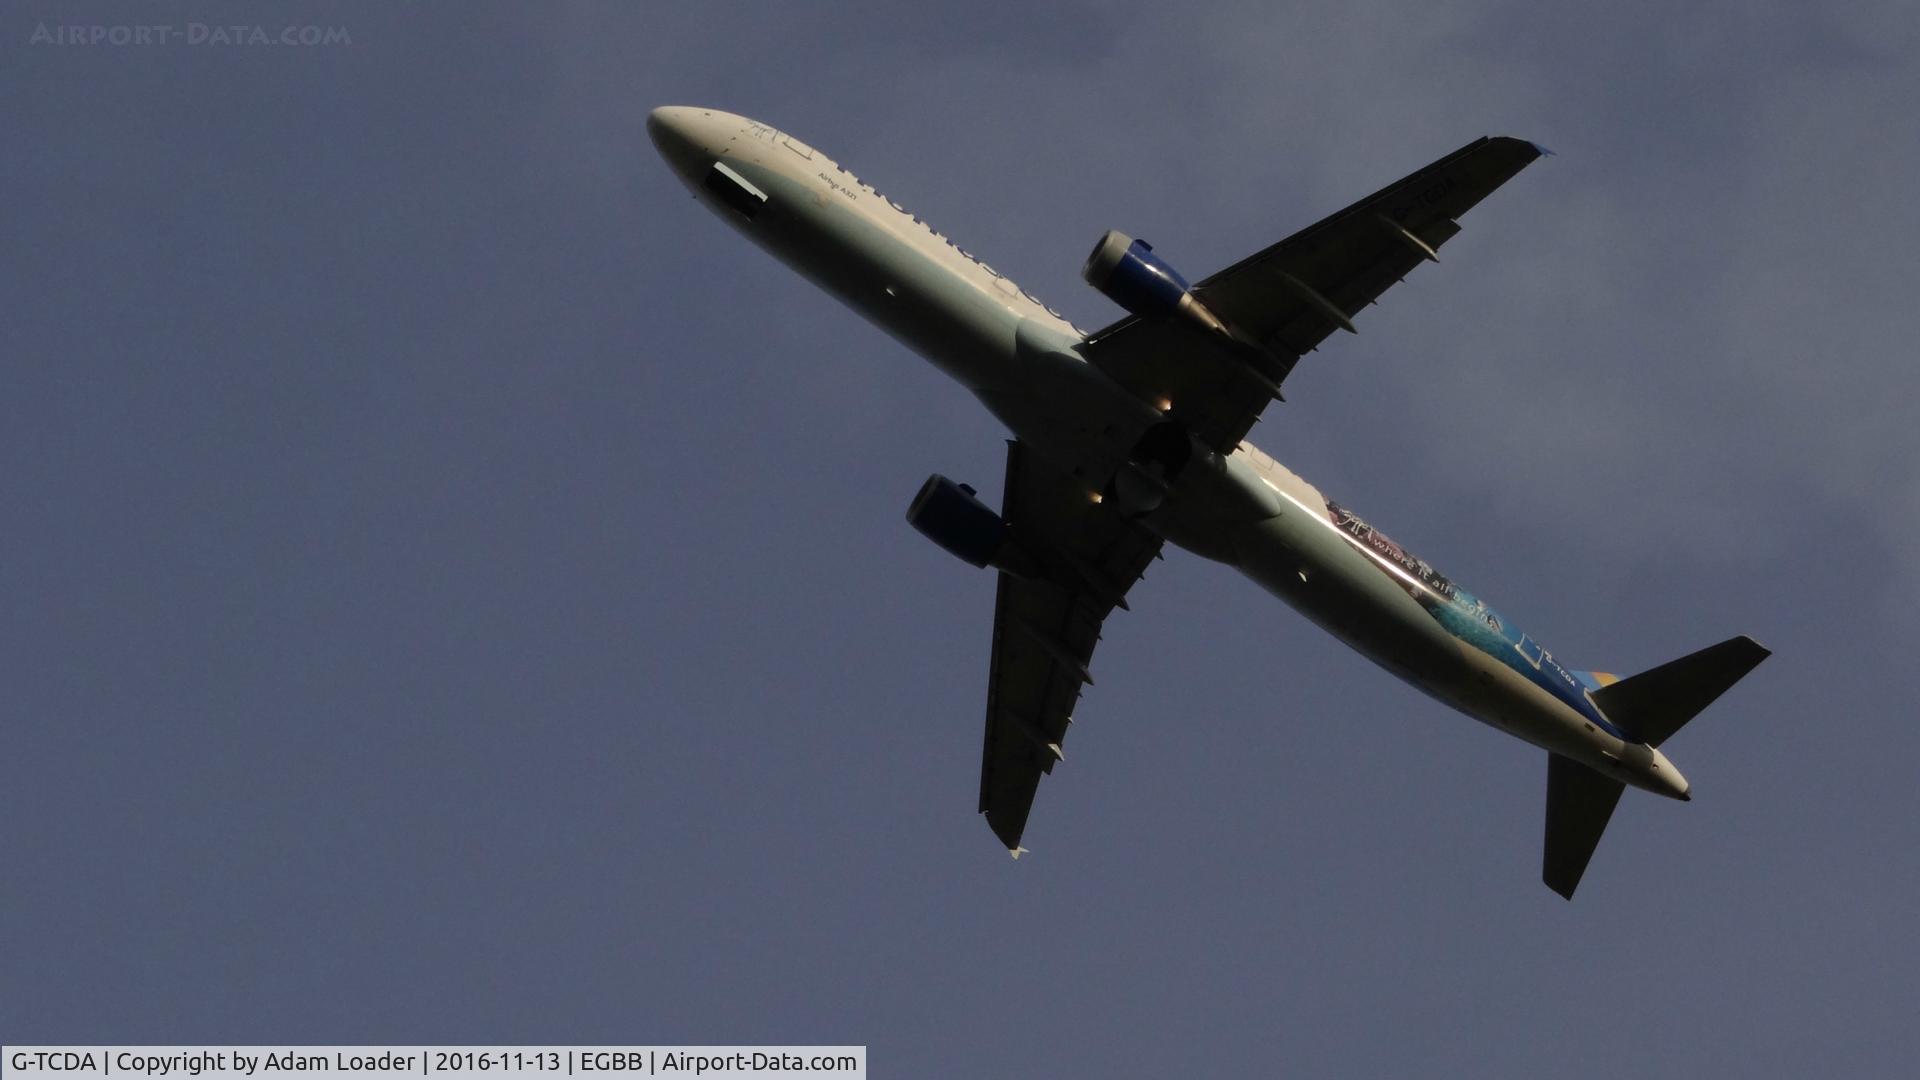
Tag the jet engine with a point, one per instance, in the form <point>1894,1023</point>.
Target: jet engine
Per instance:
<point>950,515</point>
<point>1127,272</point>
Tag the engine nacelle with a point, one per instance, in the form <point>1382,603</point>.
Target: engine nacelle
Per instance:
<point>1127,272</point>
<point>949,515</point>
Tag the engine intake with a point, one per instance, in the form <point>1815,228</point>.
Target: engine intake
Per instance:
<point>1127,272</point>
<point>949,515</point>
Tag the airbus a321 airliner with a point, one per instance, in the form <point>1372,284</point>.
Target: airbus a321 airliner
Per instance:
<point>1135,435</point>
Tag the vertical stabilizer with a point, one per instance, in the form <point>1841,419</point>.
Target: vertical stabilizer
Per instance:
<point>1579,803</point>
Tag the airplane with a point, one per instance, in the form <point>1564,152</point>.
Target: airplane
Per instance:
<point>1134,436</point>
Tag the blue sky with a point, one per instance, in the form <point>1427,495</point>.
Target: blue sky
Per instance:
<point>457,591</point>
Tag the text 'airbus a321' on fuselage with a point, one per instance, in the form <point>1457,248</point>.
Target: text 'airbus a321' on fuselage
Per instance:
<point>1135,436</point>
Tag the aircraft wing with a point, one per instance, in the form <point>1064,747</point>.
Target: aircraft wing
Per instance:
<point>1286,299</point>
<point>1045,626</point>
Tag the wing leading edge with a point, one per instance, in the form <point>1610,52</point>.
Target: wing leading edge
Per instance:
<point>1045,627</point>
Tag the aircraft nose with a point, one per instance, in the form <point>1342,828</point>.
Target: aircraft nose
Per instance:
<point>671,127</point>
<point>660,123</point>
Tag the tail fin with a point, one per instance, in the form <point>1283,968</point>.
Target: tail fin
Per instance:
<point>1579,803</point>
<point>1654,704</point>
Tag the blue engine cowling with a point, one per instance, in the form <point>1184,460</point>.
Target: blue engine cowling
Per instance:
<point>948,514</point>
<point>1127,272</point>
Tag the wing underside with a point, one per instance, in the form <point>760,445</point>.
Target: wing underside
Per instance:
<point>1286,299</point>
<point>1045,627</point>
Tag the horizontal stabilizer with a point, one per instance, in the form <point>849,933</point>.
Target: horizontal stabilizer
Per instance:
<point>1652,705</point>
<point>1579,803</point>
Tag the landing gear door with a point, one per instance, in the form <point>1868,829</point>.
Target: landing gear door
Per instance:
<point>735,191</point>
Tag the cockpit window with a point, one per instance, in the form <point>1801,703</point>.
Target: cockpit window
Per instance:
<point>735,191</point>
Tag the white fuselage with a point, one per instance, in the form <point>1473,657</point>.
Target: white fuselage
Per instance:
<point>1018,357</point>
